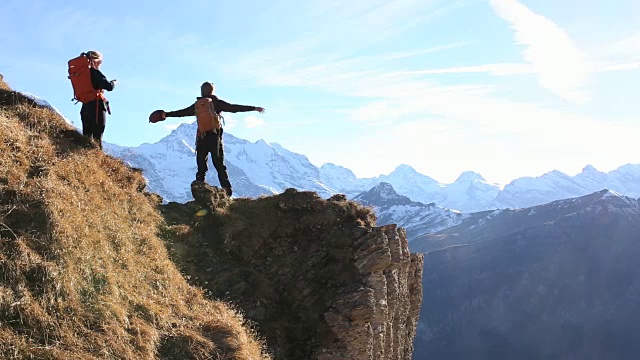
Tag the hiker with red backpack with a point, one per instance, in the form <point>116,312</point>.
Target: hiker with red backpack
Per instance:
<point>207,109</point>
<point>89,84</point>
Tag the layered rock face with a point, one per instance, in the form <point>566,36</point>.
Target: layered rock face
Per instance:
<point>316,276</point>
<point>388,305</point>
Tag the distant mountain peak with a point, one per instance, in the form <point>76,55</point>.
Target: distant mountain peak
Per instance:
<point>406,173</point>
<point>629,168</point>
<point>590,172</point>
<point>469,176</point>
<point>384,190</point>
<point>332,166</point>
<point>263,143</point>
<point>590,169</point>
<point>184,129</point>
<point>416,217</point>
<point>606,193</point>
<point>382,193</point>
<point>556,173</point>
<point>404,168</point>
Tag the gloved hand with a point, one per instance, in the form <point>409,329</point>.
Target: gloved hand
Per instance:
<point>158,115</point>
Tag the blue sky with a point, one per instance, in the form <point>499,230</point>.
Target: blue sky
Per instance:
<point>503,87</point>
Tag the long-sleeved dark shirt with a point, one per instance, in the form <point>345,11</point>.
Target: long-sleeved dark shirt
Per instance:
<point>99,82</point>
<point>219,105</point>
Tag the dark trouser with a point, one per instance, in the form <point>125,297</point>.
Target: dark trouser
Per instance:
<point>93,118</point>
<point>211,143</point>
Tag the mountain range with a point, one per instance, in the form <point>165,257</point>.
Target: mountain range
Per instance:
<point>262,168</point>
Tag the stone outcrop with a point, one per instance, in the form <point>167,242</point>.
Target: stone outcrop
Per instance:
<point>316,276</point>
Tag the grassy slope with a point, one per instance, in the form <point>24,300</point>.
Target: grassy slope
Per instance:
<point>82,271</point>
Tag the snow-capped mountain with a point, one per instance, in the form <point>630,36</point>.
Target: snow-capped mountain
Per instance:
<point>555,185</point>
<point>417,218</point>
<point>469,193</point>
<point>592,180</point>
<point>411,183</point>
<point>625,180</point>
<point>339,177</point>
<point>529,191</point>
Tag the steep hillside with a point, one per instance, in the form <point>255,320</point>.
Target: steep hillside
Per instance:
<point>83,274</point>
<point>317,277</point>
<point>557,281</point>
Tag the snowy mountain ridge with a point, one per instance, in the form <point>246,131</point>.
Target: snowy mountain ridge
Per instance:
<point>263,168</point>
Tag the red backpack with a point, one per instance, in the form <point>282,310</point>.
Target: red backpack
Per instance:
<point>80,76</point>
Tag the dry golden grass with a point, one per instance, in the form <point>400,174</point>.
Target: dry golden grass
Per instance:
<point>83,274</point>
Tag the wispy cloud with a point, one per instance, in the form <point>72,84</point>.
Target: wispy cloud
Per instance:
<point>431,50</point>
<point>561,67</point>
<point>622,54</point>
<point>506,69</point>
<point>623,66</point>
<point>627,48</point>
<point>354,26</point>
<point>493,69</point>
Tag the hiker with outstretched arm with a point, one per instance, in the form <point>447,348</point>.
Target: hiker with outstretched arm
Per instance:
<point>89,84</point>
<point>207,109</point>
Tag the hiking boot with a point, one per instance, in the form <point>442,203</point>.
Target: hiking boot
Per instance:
<point>228,191</point>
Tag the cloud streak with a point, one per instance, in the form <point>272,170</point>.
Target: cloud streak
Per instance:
<point>499,69</point>
<point>561,67</point>
<point>627,48</point>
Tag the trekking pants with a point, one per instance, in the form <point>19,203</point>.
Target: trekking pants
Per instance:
<point>211,143</point>
<point>93,117</point>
